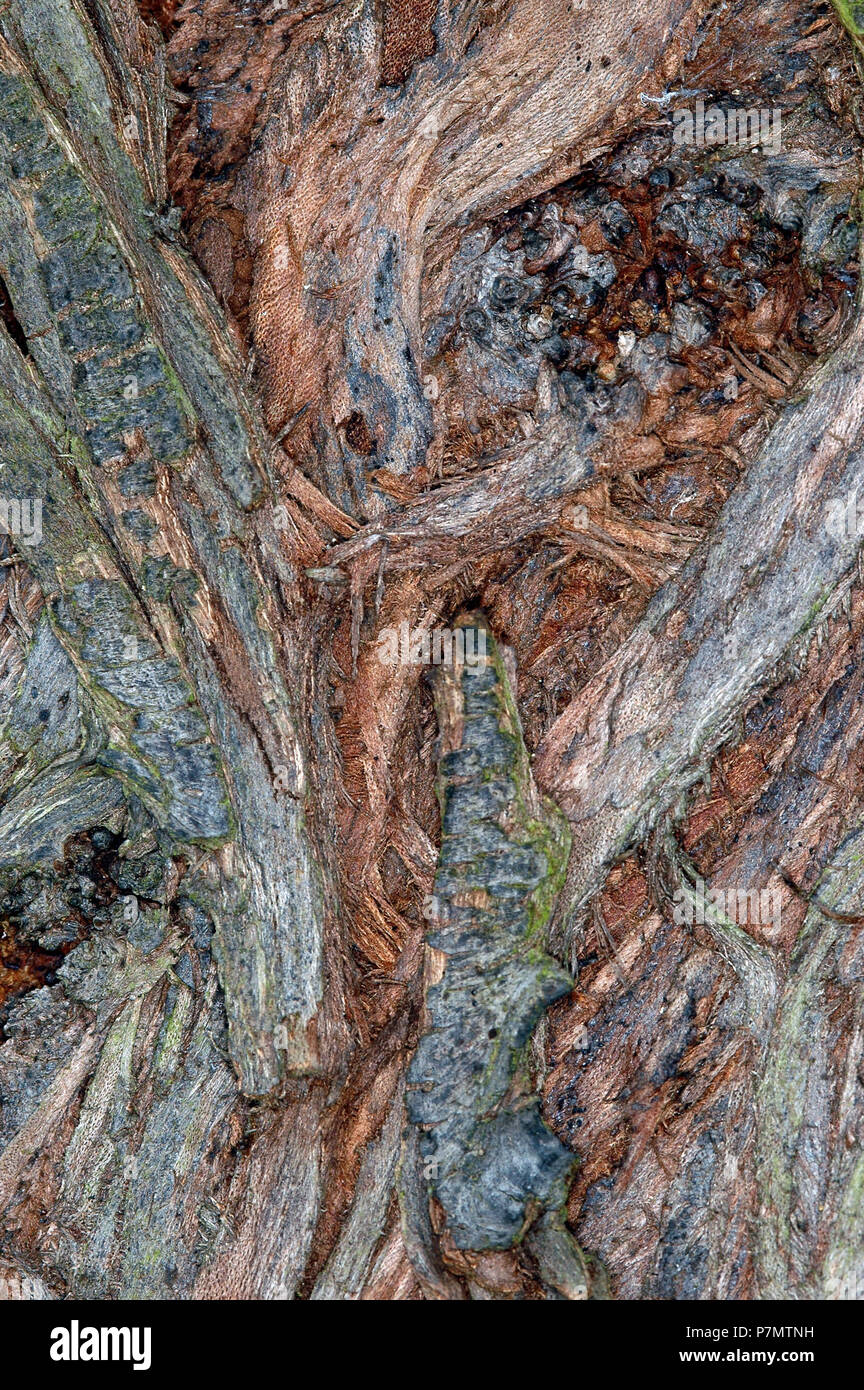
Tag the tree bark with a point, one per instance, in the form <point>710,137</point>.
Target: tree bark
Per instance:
<point>331,331</point>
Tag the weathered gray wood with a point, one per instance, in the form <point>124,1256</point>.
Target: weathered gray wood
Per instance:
<point>642,731</point>
<point>98,275</point>
<point>502,859</point>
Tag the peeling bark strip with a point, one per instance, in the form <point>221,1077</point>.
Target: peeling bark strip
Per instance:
<point>84,134</point>
<point>160,744</point>
<point>519,494</point>
<point>643,730</point>
<point>492,1160</point>
<point>810,1173</point>
<point>81,298</point>
<point>132,422</point>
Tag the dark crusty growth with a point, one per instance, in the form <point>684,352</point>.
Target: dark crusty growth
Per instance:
<point>492,1160</point>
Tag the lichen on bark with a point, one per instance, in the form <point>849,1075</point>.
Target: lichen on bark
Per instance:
<point>494,1163</point>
